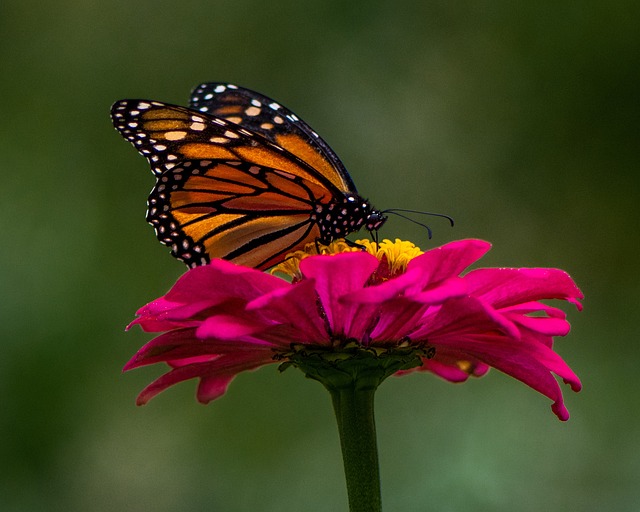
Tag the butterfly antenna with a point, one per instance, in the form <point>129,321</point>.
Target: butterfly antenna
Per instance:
<point>396,211</point>
<point>418,212</point>
<point>411,220</point>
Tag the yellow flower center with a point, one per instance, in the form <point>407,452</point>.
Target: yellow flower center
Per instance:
<point>393,255</point>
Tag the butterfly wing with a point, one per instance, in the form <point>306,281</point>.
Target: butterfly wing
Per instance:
<point>262,115</point>
<point>238,211</point>
<point>222,190</point>
<point>167,134</point>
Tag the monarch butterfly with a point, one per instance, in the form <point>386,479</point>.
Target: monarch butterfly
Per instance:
<point>240,177</point>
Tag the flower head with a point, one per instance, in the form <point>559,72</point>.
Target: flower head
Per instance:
<point>395,308</point>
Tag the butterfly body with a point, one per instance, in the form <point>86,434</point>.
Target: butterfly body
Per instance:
<point>240,177</point>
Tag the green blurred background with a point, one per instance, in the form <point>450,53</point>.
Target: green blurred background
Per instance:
<point>520,119</point>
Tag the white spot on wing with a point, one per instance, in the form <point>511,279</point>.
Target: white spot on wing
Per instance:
<point>175,135</point>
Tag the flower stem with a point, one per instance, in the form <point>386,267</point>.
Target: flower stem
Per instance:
<point>353,407</point>
<point>352,373</point>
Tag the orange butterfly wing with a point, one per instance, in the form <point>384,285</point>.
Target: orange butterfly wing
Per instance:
<point>234,210</point>
<point>166,134</point>
<point>240,177</point>
<point>262,115</point>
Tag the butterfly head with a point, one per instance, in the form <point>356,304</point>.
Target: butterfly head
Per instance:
<point>375,219</point>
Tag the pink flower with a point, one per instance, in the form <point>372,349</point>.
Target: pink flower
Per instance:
<point>221,319</point>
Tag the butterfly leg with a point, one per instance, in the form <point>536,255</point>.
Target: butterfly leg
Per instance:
<point>355,244</point>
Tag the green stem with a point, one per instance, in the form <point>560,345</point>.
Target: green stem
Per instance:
<point>352,373</point>
<point>356,425</point>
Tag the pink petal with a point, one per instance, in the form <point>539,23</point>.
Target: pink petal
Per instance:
<point>405,284</point>
<point>503,287</point>
<point>221,280</point>
<point>162,308</point>
<point>211,388</point>
<point>453,287</point>
<point>180,345</point>
<point>214,384</point>
<point>216,375</point>
<point>156,350</point>
<point>398,318</point>
<point>529,363</point>
<point>543,325</point>
<point>229,327</point>
<point>534,307</point>
<point>447,261</point>
<point>387,290</point>
<point>466,315</point>
<point>162,315</point>
<point>336,276</point>
<point>297,307</point>
<point>451,371</point>
<point>202,288</point>
<point>434,273</point>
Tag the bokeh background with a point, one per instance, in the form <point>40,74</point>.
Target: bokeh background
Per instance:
<point>520,119</point>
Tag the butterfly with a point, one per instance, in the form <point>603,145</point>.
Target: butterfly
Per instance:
<point>240,177</point>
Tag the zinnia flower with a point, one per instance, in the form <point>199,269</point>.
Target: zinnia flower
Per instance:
<point>391,309</point>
